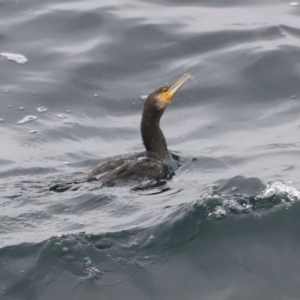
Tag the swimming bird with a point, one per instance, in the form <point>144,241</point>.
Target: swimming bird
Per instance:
<point>152,166</point>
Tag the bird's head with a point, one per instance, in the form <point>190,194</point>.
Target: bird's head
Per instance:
<point>163,96</point>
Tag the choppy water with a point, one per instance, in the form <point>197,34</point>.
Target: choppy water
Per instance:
<point>226,226</point>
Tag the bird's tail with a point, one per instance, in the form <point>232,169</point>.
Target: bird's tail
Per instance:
<point>62,187</point>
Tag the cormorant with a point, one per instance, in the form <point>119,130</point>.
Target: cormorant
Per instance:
<point>149,167</point>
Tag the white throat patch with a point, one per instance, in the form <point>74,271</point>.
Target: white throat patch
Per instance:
<point>160,102</point>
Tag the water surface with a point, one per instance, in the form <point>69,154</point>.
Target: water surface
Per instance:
<point>226,225</point>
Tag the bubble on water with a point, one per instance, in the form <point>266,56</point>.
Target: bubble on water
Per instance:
<point>88,261</point>
<point>218,213</point>
<point>18,58</point>
<point>93,272</point>
<point>61,116</point>
<point>66,163</point>
<point>144,97</point>
<point>33,131</point>
<point>293,96</point>
<point>151,237</point>
<point>95,95</point>
<point>294,4</point>
<point>41,109</point>
<point>27,119</point>
<point>21,108</point>
<point>6,91</point>
<point>65,249</point>
<point>1,120</point>
<point>68,111</point>
<point>66,122</point>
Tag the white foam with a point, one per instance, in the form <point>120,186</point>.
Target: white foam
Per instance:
<point>41,109</point>
<point>144,97</point>
<point>279,188</point>
<point>18,58</point>
<point>294,4</point>
<point>27,119</point>
<point>276,193</point>
<point>93,272</point>
<point>61,116</point>
<point>218,213</point>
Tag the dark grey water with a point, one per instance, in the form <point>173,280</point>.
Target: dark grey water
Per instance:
<point>226,226</point>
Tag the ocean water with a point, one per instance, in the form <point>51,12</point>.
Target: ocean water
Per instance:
<point>73,79</point>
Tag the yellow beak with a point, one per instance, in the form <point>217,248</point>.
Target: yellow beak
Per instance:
<point>173,89</point>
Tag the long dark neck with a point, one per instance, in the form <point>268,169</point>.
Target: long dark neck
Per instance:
<point>153,138</point>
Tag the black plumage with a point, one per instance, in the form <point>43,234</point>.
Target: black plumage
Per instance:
<point>150,167</point>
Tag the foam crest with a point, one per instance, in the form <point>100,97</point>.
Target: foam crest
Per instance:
<point>280,189</point>
<point>219,206</point>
